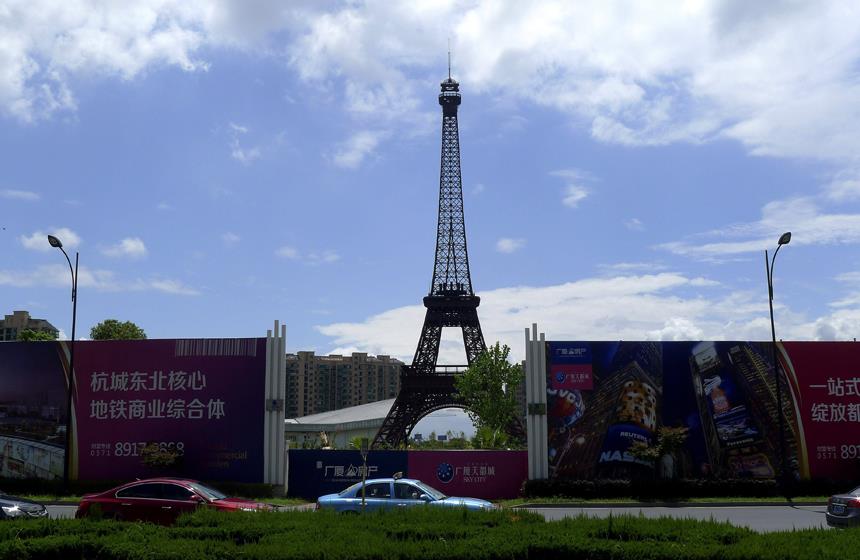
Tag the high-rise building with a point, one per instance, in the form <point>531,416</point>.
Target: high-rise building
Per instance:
<point>318,384</point>
<point>12,325</point>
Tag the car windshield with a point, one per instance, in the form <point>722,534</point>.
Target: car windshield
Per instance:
<point>432,492</point>
<point>855,492</point>
<point>207,491</point>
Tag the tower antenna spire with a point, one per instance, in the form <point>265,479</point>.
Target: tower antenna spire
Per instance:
<point>449,58</point>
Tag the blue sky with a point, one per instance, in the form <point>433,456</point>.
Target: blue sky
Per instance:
<point>223,164</point>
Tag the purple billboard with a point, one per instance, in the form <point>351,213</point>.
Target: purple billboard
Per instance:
<point>32,410</point>
<point>200,399</point>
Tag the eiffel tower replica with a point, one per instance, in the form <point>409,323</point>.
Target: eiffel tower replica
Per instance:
<point>425,386</point>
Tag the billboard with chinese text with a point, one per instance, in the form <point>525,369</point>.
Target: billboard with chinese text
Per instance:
<point>202,399</point>
<point>477,474</point>
<point>723,392</point>
<point>315,472</point>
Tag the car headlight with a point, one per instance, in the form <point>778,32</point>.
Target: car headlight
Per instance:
<point>12,511</point>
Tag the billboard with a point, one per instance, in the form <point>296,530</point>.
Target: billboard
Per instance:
<point>723,392</point>
<point>32,410</point>
<point>202,399</point>
<point>315,472</point>
<point>475,474</point>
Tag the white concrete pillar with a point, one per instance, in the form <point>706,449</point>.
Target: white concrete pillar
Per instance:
<point>536,419</point>
<point>274,446</point>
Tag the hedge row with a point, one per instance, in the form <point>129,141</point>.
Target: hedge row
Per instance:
<point>667,490</point>
<point>413,534</point>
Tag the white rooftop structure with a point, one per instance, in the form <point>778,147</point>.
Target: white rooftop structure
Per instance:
<point>339,426</point>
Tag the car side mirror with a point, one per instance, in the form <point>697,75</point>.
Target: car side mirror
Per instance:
<point>197,499</point>
<point>425,498</point>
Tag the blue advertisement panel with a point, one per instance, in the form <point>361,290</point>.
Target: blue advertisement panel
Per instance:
<point>721,393</point>
<point>314,472</point>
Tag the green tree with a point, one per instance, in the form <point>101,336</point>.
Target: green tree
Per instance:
<point>29,335</point>
<point>488,388</point>
<point>111,329</point>
<point>486,438</point>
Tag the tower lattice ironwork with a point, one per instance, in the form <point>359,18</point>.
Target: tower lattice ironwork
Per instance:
<point>424,385</point>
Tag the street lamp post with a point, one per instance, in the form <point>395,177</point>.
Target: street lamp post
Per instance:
<point>54,242</point>
<point>784,239</point>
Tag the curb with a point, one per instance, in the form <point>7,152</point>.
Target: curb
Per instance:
<point>639,505</point>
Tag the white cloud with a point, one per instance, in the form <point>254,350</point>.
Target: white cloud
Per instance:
<point>12,194</point>
<point>574,192</point>
<point>287,252</point>
<point>636,74</point>
<point>57,276</point>
<point>323,257</point>
<point>634,267</point>
<point>132,247</point>
<point>357,148</point>
<point>43,42</point>
<point>573,195</point>
<point>237,128</point>
<point>802,216</point>
<point>599,308</point>
<point>845,186</point>
<point>645,307</point>
<point>171,287</point>
<point>852,298</point>
<point>676,328</point>
<point>312,258</point>
<point>38,240</point>
<point>843,324</point>
<point>849,278</point>
<point>230,239</point>
<point>634,224</point>
<point>243,155</point>
<point>509,245</point>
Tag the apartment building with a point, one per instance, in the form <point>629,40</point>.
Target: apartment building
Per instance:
<point>318,384</point>
<point>19,321</point>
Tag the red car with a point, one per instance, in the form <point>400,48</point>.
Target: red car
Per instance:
<point>161,500</point>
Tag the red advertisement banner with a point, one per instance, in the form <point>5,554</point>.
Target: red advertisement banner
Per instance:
<point>824,380</point>
<point>571,377</point>
<point>474,474</point>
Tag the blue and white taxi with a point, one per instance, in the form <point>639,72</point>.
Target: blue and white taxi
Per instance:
<point>394,493</point>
